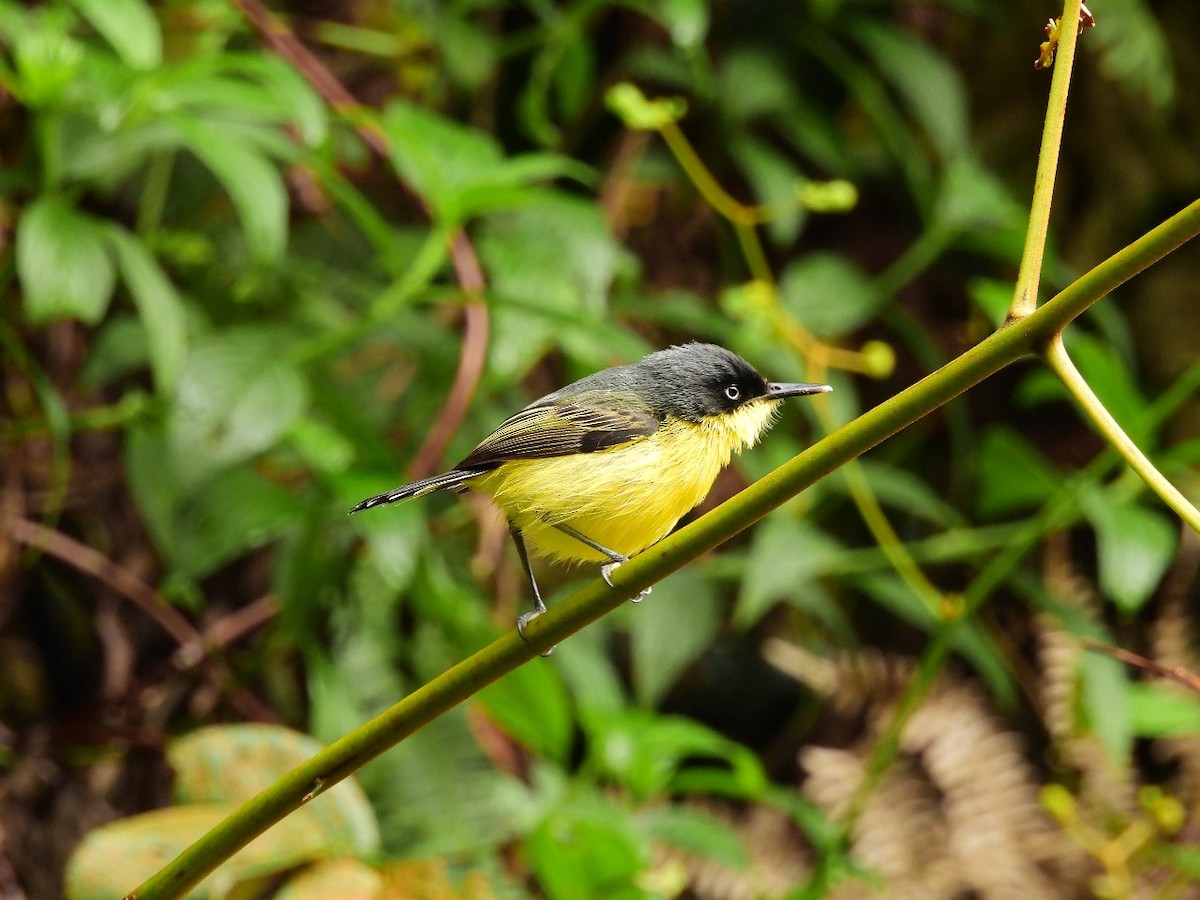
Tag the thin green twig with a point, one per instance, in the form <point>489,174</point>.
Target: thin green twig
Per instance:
<point>1060,362</point>
<point>1029,275</point>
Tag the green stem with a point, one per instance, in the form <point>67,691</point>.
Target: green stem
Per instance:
<point>596,599</point>
<point>1029,275</point>
<point>1059,360</point>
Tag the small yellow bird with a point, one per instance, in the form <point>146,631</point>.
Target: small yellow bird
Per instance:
<point>604,467</point>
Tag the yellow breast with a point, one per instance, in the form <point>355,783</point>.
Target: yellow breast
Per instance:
<point>625,498</point>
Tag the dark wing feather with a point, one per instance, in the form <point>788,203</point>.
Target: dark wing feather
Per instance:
<point>559,429</point>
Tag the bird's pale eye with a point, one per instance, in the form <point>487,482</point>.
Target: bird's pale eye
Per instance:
<point>733,392</point>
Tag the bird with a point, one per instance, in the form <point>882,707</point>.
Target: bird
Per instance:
<point>599,470</point>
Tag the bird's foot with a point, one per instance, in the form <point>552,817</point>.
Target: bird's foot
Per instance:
<point>606,571</point>
<point>524,620</point>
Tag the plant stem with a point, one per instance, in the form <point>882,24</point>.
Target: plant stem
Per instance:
<point>596,599</point>
<point>1060,362</point>
<point>1029,275</point>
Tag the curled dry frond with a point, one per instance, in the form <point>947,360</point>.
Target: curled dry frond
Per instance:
<point>957,812</point>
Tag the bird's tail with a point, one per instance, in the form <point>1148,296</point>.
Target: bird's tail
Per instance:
<point>450,479</point>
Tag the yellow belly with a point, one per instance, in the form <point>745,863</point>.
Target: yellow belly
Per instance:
<point>625,498</point>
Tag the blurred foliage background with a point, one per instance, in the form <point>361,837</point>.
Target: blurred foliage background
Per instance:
<point>236,302</point>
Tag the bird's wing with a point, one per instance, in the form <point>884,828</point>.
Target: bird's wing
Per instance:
<point>560,429</point>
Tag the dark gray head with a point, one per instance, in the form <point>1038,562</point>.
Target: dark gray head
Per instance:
<point>689,381</point>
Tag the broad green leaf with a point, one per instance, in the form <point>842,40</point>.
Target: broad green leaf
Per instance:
<point>909,493</point>
<point>117,349</point>
<point>1135,546</point>
<point>556,254</point>
<point>233,512</point>
<point>322,447</point>
<point>1157,712</point>
<point>753,84</point>
<point>1105,698</point>
<point>695,832</point>
<point>646,753</point>
<point>589,672</point>
<point>929,86</point>
<point>238,396</point>
<point>461,172</point>
<point>251,180</point>
<point>787,558</point>
<point>129,25</point>
<point>159,306</point>
<point>48,62</point>
<point>63,263</point>
<point>468,50</point>
<point>531,704</point>
<point>829,294</point>
<point>685,20</point>
<point>1013,475</point>
<point>669,629</point>
<point>775,180</point>
<point>438,158</point>
<point>231,763</point>
<point>1136,50</point>
<point>973,204</point>
<point>588,847</point>
<point>297,100</point>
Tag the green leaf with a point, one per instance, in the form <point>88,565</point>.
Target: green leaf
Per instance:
<point>669,630</point>
<point>588,848</point>
<point>129,26</point>
<point>251,180</point>
<point>63,263</point>
<point>48,63</point>
<point>238,396</point>
<point>530,703</point>
<point>929,86</point>
<point>232,763</point>
<point>975,205</point>
<point>556,254</point>
<point>1136,50</point>
<point>1105,698</point>
<point>775,180</point>
<point>1157,712</point>
<point>829,294</point>
<point>1135,546</point>
<point>908,492</point>
<point>1013,475</point>
<point>215,521</point>
<point>461,172</point>
<point>685,20</point>
<point>159,306</point>
<point>695,832</point>
<point>646,753</point>
<point>787,559</point>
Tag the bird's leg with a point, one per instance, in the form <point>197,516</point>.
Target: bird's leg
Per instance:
<point>539,605</point>
<point>615,558</point>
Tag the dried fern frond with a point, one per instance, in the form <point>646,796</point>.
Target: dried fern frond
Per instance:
<point>780,858</point>
<point>957,812</point>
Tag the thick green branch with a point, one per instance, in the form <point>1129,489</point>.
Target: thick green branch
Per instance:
<point>595,599</point>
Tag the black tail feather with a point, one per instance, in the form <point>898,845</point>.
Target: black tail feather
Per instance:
<point>419,488</point>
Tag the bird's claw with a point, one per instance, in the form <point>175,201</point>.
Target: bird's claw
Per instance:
<point>606,571</point>
<point>524,620</point>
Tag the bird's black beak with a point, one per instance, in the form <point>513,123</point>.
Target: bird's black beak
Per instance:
<point>781,390</point>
